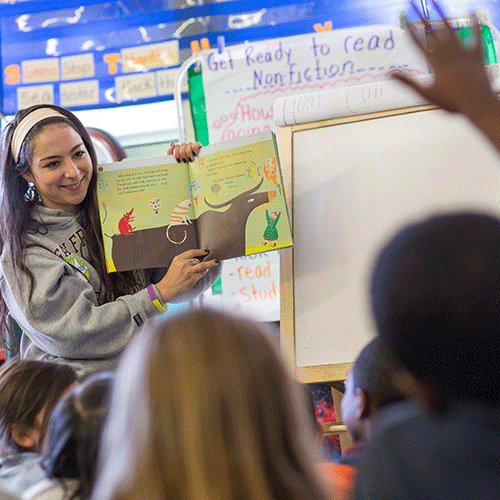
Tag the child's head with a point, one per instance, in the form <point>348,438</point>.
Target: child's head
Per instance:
<point>29,390</point>
<point>72,440</point>
<point>369,386</point>
<point>209,410</point>
<point>435,293</point>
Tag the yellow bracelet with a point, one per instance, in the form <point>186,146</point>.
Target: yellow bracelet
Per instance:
<point>154,298</point>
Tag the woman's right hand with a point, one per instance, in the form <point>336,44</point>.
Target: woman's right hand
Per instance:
<point>183,273</point>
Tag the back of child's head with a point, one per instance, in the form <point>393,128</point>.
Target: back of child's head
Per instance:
<point>29,390</point>
<point>373,371</point>
<point>206,409</point>
<point>71,443</point>
<point>435,293</point>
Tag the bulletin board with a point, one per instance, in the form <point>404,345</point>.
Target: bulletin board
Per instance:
<point>351,182</point>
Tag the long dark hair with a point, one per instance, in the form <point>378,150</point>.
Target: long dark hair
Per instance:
<point>17,200</point>
<point>73,434</point>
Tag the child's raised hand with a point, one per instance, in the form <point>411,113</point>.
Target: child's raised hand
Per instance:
<point>186,151</point>
<point>460,81</point>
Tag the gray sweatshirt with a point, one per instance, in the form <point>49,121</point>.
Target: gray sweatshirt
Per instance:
<point>64,320</point>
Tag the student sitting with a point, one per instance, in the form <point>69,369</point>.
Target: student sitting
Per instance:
<point>340,478</point>
<point>369,387</point>
<point>435,293</point>
<point>70,448</point>
<point>203,407</point>
<point>29,390</point>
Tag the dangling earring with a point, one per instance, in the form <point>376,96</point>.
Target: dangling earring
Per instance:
<point>31,193</point>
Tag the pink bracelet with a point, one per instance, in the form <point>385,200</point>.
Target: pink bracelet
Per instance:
<point>154,298</point>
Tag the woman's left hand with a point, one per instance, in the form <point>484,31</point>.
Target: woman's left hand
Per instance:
<point>187,151</point>
<point>184,272</point>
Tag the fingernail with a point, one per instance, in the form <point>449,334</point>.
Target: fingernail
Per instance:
<point>207,251</point>
<point>178,160</point>
<point>216,261</point>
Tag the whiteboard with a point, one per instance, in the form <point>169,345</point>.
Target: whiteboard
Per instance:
<point>352,183</point>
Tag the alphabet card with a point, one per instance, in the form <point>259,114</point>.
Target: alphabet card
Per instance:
<point>229,200</point>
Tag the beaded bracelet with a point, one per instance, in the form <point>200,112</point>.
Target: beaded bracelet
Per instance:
<point>154,299</point>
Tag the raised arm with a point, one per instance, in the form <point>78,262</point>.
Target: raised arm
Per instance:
<point>460,84</point>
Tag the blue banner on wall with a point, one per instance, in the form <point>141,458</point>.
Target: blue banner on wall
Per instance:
<point>98,54</point>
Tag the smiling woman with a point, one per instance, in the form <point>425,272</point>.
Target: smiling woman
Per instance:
<point>53,279</point>
<point>61,168</point>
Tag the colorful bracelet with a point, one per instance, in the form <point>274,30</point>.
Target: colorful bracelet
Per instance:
<point>154,298</point>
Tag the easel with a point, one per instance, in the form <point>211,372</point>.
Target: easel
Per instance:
<point>385,179</point>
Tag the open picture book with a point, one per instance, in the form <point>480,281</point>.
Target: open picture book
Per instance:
<point>229,200</point>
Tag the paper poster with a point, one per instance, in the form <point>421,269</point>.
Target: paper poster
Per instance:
<point>242,83</point>
<point>250,287</point>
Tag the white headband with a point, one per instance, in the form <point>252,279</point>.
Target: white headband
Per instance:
<point>26,124</point>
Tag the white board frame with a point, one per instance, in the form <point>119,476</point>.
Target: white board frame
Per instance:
<point>315,372</point>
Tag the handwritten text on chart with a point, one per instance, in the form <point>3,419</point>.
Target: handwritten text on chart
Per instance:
<point>250,285</point>
<point>357,99</point>
<point>254,74</point>
<point>296,74</point>
<point>251,276</point>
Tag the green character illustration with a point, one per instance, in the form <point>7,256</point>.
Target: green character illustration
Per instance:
<point>271,233</point>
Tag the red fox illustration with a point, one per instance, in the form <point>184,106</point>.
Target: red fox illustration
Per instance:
<point>124,225</point>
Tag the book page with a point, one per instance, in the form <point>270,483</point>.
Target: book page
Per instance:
<point>146,212</point>
<point>238,197</point>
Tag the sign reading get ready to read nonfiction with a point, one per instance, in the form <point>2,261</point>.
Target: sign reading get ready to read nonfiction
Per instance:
<point>242,82</point>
